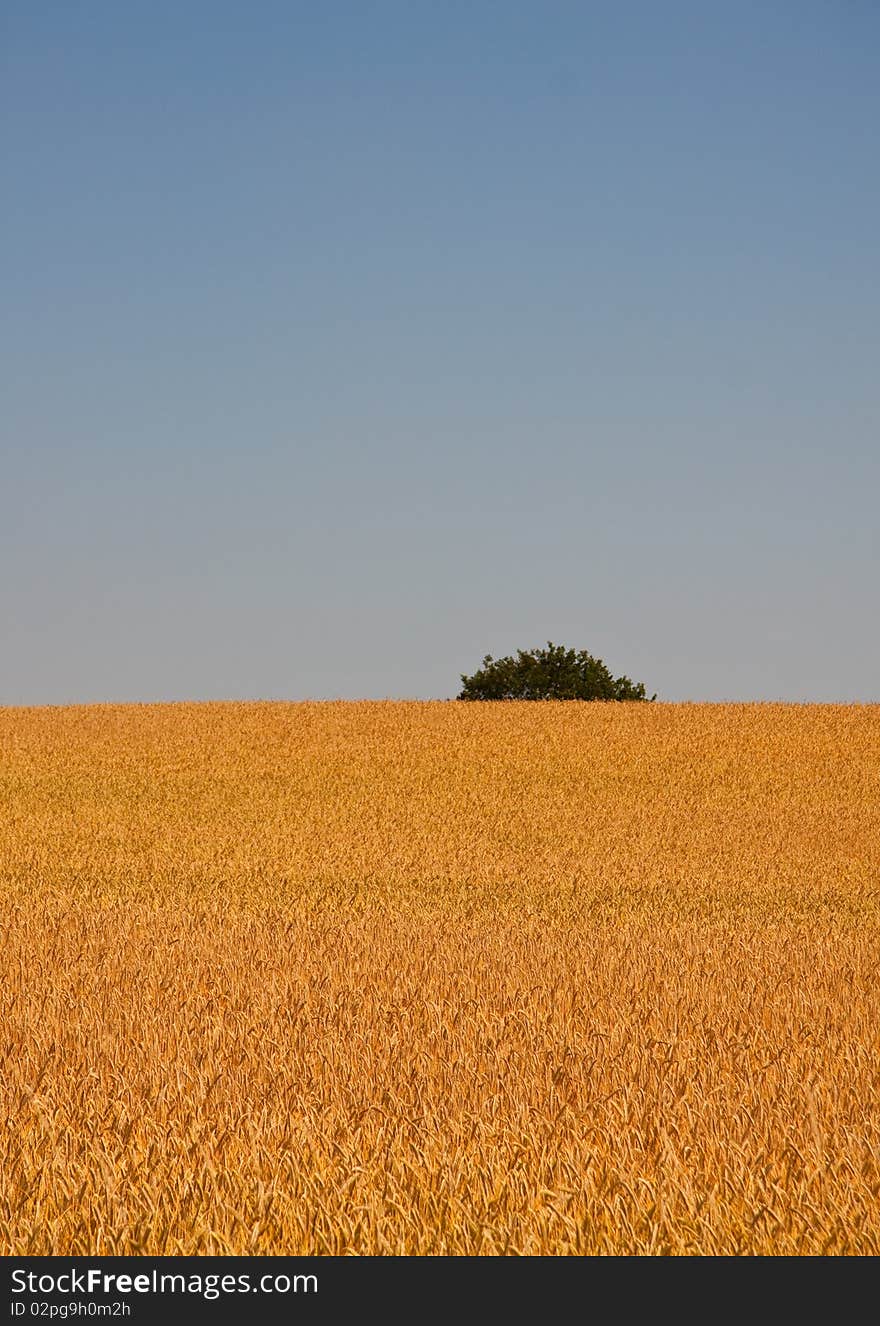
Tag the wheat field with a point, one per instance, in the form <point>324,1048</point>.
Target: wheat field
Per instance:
<point>440,979</point>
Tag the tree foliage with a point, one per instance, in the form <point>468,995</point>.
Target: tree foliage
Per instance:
<point>554,673</point>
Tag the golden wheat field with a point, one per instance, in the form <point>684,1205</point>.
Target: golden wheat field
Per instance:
<point>440,978</point>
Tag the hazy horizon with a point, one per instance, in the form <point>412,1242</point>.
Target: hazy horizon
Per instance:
<point>345,345</point>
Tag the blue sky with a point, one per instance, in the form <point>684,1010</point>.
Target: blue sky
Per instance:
<point>345,343</point>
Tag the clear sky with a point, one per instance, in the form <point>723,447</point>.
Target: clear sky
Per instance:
<point>344,343</point>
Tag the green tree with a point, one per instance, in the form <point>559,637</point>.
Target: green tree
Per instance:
<point>554,673</point>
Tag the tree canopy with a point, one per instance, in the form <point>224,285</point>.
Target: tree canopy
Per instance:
<point>554,673</point>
